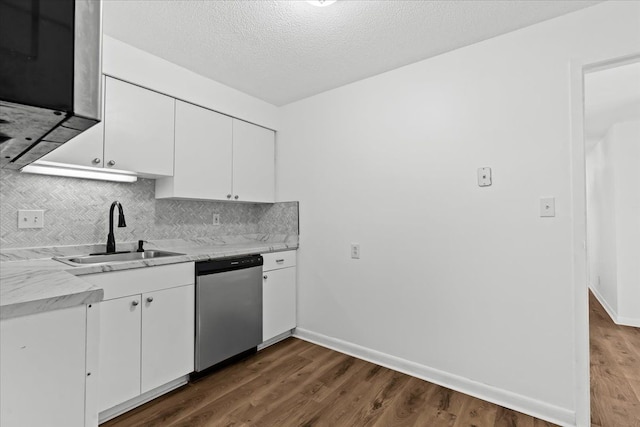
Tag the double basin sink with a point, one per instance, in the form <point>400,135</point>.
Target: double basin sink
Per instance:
<point>78,260</point>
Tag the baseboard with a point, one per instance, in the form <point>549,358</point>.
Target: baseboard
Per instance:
<point>275,340</point>
<point>628,321</point>
<point>535,408</point>
<point>617,319</point>
<point>120,409</point>
<point>603,302</point>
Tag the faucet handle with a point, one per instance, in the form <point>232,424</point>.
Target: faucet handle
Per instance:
<point>140,244</point>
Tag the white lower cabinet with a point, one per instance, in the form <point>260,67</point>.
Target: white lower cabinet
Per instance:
<point>147,335</point>
<point>119,350</point>
<point>43,362</point>
<point>278,294</point>
<point>146,341</point>
<point>167,335</point>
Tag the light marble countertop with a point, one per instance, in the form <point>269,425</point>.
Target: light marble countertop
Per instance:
<point>32,282</point>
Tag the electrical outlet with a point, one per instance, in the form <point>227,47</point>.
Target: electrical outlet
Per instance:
<point>355,250</point>
<point>216,219</point>
<point>30,219</point>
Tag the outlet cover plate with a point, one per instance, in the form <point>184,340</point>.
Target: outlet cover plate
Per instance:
<point>548,207</point>
<point>484,177</point>
<point>355,250</point>
<point>30,219</point>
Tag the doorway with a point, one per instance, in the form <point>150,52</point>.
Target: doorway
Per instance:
<point>612,170</point>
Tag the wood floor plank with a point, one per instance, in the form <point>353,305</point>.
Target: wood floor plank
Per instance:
<point>264,401</point>
<point>508,418</point>
<point>476,412</point>
<point>405,409</point>
<point>221,407</point>
<point>615,370</point>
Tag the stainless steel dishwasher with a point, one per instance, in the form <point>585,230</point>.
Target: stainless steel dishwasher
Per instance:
<point>228,309</point>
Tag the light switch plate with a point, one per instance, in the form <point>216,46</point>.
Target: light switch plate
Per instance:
<point>216,219</point>
<point>548,207</point>
<point>30,219</point>
<point>484,177</point>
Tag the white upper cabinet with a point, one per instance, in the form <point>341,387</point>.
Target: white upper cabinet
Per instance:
<point>253,163</point>
<point>219,158</point>
<point>86,149</point>
<point>138,129</point>
<point>136,133</point>
<point>203,155</point>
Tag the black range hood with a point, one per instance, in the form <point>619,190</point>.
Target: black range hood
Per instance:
<point>50,67</point>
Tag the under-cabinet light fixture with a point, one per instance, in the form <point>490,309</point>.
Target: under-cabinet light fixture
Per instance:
<point>73,171</point>
<point>321,3</point>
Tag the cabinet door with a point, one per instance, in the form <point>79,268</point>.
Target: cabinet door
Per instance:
<point>202,153</point>
<point>119,350</point>
<point>167,335</point>
<point>42,367</point>
<point>138,129</point>
<point>279,302</point>
<point>84,150</point>
<point>253,163</point>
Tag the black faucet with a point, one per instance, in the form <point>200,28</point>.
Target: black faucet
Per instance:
<point>111,239</point>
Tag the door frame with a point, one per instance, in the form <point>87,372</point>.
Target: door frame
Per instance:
<point>578,69</point>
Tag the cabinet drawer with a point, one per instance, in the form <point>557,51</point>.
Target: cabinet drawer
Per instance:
<point>117,284</point>
<point>277,260</point>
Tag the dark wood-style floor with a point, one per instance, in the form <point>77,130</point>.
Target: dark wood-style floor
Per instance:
<point>615,370</point>
<point>295,383</point>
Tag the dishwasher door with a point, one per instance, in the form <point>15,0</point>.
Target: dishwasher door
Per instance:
<point>228,315</point>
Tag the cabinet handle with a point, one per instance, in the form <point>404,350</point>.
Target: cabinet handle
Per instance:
<point>149,299</point>
<point>280,260</point>
<point>236,197</point>
<point>135,302</point>
<point>228,196</point>
<point>264,277</point>
<point>111,163</point>
<point>96,161</point>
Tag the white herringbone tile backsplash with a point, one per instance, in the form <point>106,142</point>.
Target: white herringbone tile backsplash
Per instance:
<point>77,211</point>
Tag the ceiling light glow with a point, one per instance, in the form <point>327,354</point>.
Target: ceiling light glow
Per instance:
<point>321,3</point>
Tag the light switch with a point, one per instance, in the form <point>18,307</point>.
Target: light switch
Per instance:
<point>30,219</point>
<point>216,219</point>
<point>548,207</point>
<point>484,177</point>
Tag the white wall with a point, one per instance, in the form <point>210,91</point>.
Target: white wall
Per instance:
<point>613,218</point>
<point>627,147</point>
<point>137,66</point>
<point>601,225</point>
<point>464,285</point>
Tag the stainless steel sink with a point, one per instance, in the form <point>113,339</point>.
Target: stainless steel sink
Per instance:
<point>78,260</point>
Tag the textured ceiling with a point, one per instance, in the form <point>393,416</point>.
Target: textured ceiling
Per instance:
<point>283,51</point>
<point>610,96</point>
